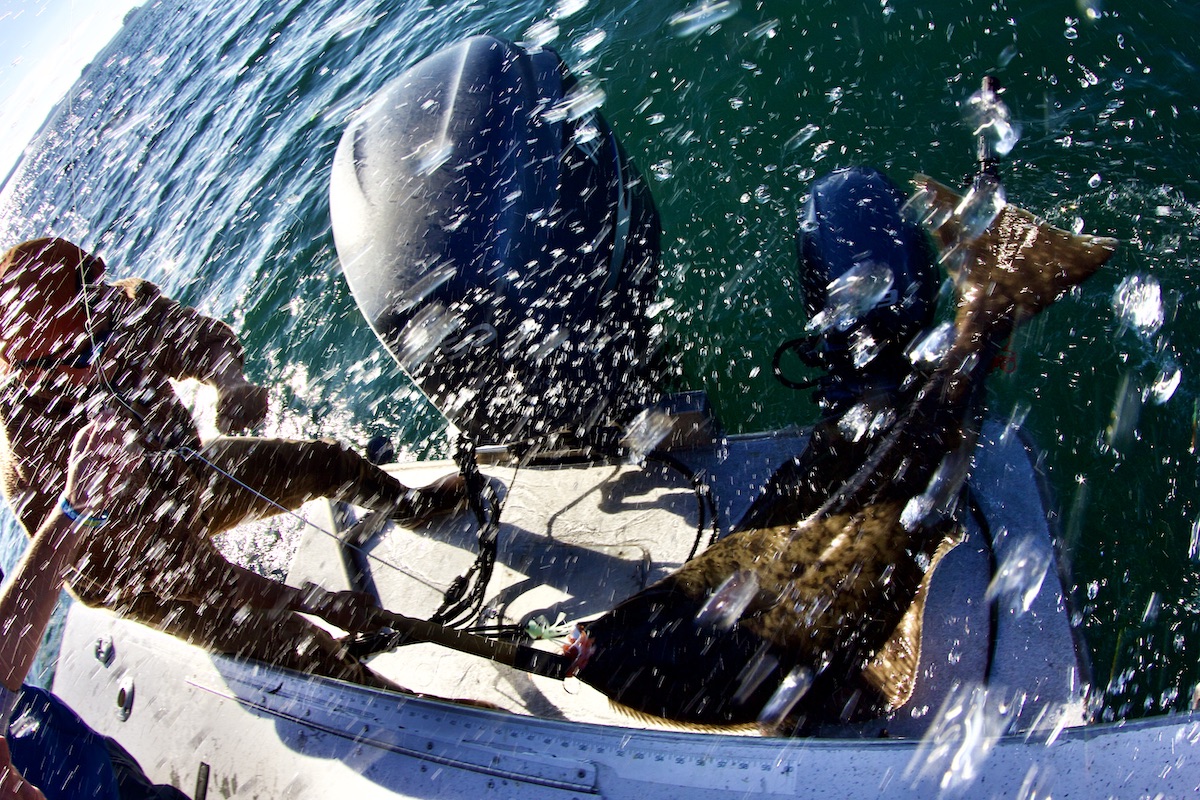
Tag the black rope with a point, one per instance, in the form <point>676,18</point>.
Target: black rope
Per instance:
<point>705,503</point>
<point>464,599</point>
<point>802,346</point>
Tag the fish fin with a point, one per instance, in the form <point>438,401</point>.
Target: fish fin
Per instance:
<point>1019,264</point>
<point>893,670</point>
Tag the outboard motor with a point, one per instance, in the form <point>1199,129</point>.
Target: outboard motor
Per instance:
<point>853,238</point>
<point>500,243</point>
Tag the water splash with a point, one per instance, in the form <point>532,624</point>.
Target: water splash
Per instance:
<point>852,294</point>
<point>589,42</point>
<point>961,737</point>
<point>568,8</point>
<point>791,690</point>
<point>1127,408</point>
<point>702,17</point>
<point>980,207</point>
<point>540,34</point>
<point>645,431</point>
<point>931,347</point>
<point>988,117</point>
<point>862,420</point>
<point>425,332</point>
<point>864,347</point>
<point>1137,303</point>
<point>1164,385</point>
<point>727,604</point>
<point>585,97</point>
<point>1018,579</point>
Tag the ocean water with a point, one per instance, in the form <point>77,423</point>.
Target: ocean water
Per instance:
<point>196,151</point>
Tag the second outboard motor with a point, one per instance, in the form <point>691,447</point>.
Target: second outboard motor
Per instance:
<point>853,238</point>
<point>500,243</point>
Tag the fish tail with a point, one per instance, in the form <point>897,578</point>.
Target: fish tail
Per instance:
<point>1018,265</point>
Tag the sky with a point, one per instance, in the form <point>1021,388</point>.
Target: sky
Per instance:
<point>44,45</point>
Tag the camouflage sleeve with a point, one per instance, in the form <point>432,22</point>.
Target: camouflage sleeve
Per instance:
<point>182,342</point>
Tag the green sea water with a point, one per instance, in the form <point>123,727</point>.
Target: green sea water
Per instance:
<point>196,151</point>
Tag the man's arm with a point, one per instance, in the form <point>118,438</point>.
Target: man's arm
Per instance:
<point>100,465</point>
<point>188,344</point>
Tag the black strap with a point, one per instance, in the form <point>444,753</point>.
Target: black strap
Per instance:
<point>464,599</point>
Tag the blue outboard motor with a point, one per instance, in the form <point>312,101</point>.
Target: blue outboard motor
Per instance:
<point>853,224</point>
<point>500,243</point>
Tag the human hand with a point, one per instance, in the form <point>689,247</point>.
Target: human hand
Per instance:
<point>240,406</point>
<point>107,459</point>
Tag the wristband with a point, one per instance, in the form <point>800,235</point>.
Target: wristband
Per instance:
<point>80,518</point>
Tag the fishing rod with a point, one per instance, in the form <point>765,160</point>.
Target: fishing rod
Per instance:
<point>411,629</point>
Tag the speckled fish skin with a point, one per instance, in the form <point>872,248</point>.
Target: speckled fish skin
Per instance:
<point>832,588</point>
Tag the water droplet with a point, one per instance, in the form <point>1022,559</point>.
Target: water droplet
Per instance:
<point>932,346</point>
<point>1070,33</point>
<point>1127,409</point>
<point>862,420</point>
<point>1153,606</point>
<point>584,98</point>
<point>1019,577</point>
<point>1165,384</point>
<point>646,430</point>
<point>1194,546</point>
<point>433,155</point>
<point>961,736</point>
<point>1138,303</point>
<point>425,332</point>
<point>1094,181</point>
<point>540,33</point>
<point>863,347</point>
<point>591,41</point>
<point>1015,421</point>
<point>852,294</point>
<point>767,30</point>
<point>979,209</point>
<point>987,116</point>
<point>1092,9</point>
<point>801,136</point>
<point>702,17</point>
<point>1007,55</point>
<point>662,170</point>
<point>790,691</point>
<point>725,607</point>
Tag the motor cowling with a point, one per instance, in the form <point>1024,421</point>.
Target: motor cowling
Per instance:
<point>500,243</point>
<point>853,223</point>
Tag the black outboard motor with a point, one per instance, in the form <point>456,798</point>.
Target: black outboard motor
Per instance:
<point>500,243</point>
<point>853,227</point>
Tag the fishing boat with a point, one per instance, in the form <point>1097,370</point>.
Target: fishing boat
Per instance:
<point>501,244</point>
